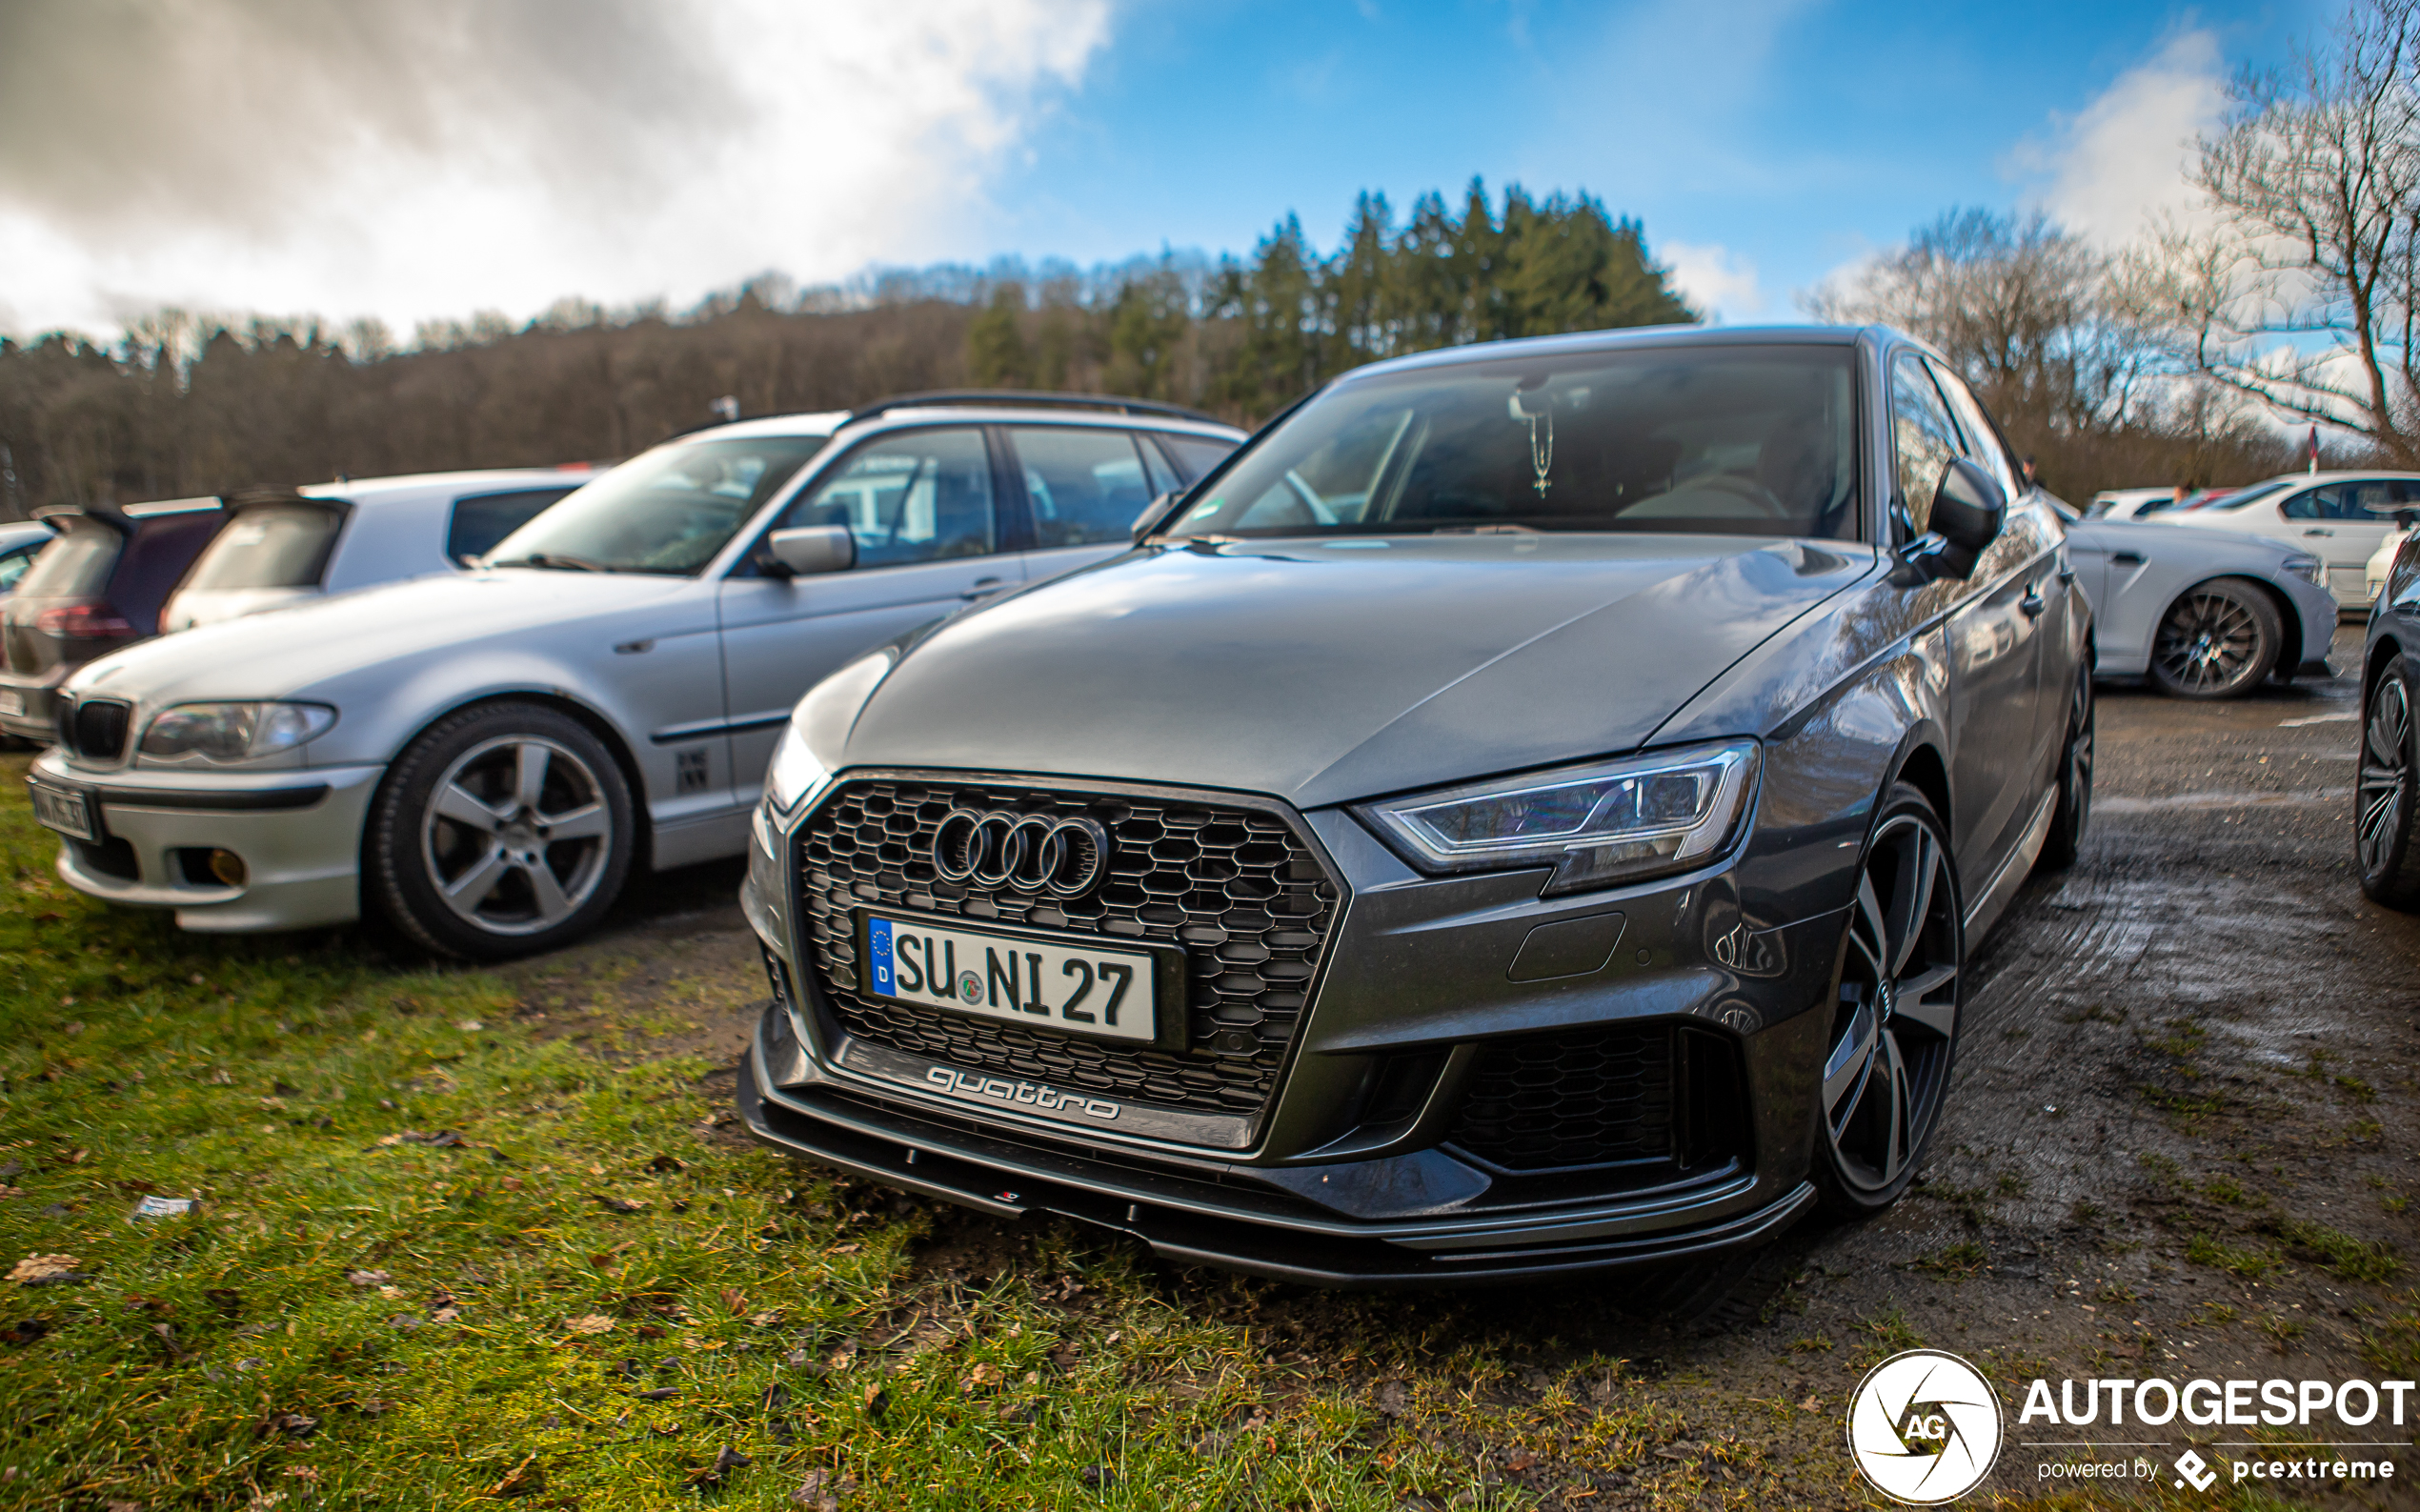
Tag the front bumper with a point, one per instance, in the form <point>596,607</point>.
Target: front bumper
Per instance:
<point>1225,1218</point>
<point>297,831</point>
<point>1315,1188</point>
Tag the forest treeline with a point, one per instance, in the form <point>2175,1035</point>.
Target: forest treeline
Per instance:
<point>182,406</point>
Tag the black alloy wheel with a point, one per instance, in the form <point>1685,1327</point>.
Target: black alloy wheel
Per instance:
<point>2066,840</point>
<point>2219,639</point>
<point>2385,809</point>
<point>1901,993</point>
<point>503,830</point>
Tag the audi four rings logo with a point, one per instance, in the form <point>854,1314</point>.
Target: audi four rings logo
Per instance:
<point>1031,853</point>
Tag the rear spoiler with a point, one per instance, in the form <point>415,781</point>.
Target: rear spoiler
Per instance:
<point>256,497</point>
<point>121,520</point>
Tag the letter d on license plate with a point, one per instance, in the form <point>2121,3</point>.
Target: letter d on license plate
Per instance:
<point>1071,986</point>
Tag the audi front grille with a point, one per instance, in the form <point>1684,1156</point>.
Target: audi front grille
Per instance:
<point>1236,888</point>
<point>96,729</point>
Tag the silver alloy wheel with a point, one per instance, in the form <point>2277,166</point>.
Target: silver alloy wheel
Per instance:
<point>1888,1066</point>
<point>2209,641</point>
<point>2386,774</point>
<point>517,836</point>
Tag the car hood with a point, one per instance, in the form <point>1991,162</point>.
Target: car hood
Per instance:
<point>1327,671</point>
<point>286,653</point>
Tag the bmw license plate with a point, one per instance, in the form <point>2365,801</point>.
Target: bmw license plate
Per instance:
<point>1075,986</point>
<point>66,809</point>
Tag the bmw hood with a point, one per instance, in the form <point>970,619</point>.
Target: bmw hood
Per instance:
<point>1322,672</point>
<point>290,653</point>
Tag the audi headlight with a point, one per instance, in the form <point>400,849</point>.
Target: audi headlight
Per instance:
<point>2310,569</point>
<point>795,773</point>
<point>1613,822</point>
<point>236,732</point>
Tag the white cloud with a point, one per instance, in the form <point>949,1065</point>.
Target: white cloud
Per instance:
<point>2108,168</point>
<point>1719,282</point>
<point>396,167</point>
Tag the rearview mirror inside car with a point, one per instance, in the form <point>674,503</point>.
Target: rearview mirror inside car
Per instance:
<point>1156,513</point>
<point>1967,510</point>
<point>808,551</point>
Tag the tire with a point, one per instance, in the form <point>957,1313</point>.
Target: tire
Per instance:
<point>1898,1009</point>
<point>2387,807</point>
<point>503,830</point>
<point>2219,639</point>
<point>2066,840</point>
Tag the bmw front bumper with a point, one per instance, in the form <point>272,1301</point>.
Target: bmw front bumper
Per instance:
<point>296,831</point>
<point>1427,978</point>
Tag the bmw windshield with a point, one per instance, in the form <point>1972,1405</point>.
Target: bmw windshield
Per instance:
<point>669,510</point>
<point>1725,440</point>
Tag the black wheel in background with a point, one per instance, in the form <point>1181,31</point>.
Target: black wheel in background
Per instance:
<point>2385,807</point>
<point>2075,775</point>
<point>2219,639</point>
<point>1895,1025</point>
<point>503,830</point>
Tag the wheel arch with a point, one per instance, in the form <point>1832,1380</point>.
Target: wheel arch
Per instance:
<point>2383,651</point>
<point>1921,765</point>
<point>642,827</point>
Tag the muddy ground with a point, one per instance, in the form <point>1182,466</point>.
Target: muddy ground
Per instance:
<point>2188,1078</point>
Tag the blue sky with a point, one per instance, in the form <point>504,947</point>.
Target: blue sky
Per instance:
<point>1793,136</point>
<point>433,158</point>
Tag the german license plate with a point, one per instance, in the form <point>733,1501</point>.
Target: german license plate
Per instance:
<point>11,703</point>
<point>1075,986</point>
<point>66,809</point>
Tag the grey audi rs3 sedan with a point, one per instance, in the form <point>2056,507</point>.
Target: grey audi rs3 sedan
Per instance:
<point>1529,811</point>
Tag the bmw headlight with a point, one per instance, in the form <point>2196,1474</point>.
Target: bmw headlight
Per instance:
<point>236,732</point>
<point>2310,569</point>
<point>1613,822</point>
<point>795,773</point>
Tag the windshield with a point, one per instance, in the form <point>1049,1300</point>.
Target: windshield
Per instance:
<point>1729,440</point>
<point>668,511</point>
<point>2241,496</point>
<point>267,546</point>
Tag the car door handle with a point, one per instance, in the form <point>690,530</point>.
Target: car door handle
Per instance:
<point>984,588</point>
<point>2066,577</point>
<point>2126,559</point>
<point>2315,531</point>
<point>2031,603</point>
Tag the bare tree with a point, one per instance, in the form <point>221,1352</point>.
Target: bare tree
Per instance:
<point>2299,290</point>
<point>2021,305</point>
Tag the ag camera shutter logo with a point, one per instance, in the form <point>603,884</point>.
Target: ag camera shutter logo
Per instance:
<point>1924,1427</point>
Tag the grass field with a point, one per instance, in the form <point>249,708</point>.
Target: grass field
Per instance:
<point>432,1260</point>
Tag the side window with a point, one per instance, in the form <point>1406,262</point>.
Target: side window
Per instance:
<point>1085,486</point>
<point>1160,476</point>
<point>480,520</point>
<point>1196,455</point>
<point>2371,502</point>
<point>1982,437</point>
<point>918,497</point>
<point>1925,436</point>
<point>2311,504</point>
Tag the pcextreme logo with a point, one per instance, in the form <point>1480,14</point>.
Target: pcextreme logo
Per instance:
<point>1924,1427</point>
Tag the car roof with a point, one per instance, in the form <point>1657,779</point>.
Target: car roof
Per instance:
<point>404,487</point>
<point>1003,411</point>
<point>1642,336</point>
<point>2342,476</point>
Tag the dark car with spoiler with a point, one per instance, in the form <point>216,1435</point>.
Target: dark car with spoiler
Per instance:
<point>1529,811</point>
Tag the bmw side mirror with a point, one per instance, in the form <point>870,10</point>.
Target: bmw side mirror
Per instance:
<point>1156,513</point>
<point>808,551</point>
<point>1967,510</point>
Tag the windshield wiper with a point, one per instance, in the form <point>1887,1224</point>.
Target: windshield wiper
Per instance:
<point>558,561</point>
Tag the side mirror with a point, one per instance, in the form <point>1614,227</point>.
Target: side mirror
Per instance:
<point>808,551</point>
<point>2407,517</point>
<point>1967,510</point>
<point>1154,514</point>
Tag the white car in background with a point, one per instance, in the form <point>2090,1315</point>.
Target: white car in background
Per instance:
<point>2381,561</point>
<point>284,546</point>
<point>19,544</point>
<point>2129,503</point>
<point>2340,517</point>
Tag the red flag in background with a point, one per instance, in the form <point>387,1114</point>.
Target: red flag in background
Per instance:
<point>2315,449</point>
